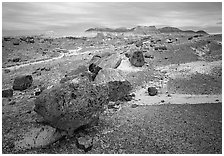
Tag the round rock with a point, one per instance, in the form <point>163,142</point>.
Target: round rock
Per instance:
<point>152,91</point>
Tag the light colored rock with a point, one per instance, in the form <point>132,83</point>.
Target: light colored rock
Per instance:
<point>107,75</point>
<point>39,137</point>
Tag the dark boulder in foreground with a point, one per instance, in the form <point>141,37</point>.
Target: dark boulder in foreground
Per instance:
<point>119,90</point>
<point>137,59</point>
<point>152,91</point>
<point>22,82</point>
<point>72,105</point>
<point>7,93</point>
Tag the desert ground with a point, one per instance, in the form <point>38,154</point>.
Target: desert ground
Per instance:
<point>184,115</point>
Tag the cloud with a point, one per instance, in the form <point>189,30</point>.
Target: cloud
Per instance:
<point>76,17</point>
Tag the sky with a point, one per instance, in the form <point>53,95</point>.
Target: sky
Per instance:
<point>65,19</point>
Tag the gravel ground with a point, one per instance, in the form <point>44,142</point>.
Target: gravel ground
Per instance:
<point>187,129</point>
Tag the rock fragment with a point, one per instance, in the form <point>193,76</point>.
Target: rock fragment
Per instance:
<point>152,91</point>
<point>22,82</point>
<point>137,59</point>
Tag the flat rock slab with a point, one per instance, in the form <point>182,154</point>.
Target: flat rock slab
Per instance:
<point>38,138</point>
<point>127,67</point>
<point>109,74</point>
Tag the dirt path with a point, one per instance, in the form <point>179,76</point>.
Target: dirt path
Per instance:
<point>71,52</point>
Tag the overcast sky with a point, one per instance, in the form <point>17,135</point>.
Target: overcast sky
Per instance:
<point>75,18</point>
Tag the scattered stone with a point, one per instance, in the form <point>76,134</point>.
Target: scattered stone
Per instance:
<point>16,42</point>
<point>7,70</point>
<point>16,59</point>
<point>147,55</point>
<point>39,138</point>
<point>118,90</point>
<point>137,59</point>
<point>168,95</point>
<point>162,101</point>
<point>106,75</point>
<point>139,44</point>
<point>161,48</point>
<point>7,38</point>
<point>7,93</point>
<point>127,55</point>
<point>12,102</point>
<point>84,143</point>
<point>133,95</point>
<point>81,71</point>
<point>127,98</point>
<point>152,91</point>
<point>111,105</point>
<point>22,82</point>
<point>134,105</point>
<point>72,105</point>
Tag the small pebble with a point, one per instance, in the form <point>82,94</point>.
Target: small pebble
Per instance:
<point>134,105</point>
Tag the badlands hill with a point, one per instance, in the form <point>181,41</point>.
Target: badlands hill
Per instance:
<point>145,30</point>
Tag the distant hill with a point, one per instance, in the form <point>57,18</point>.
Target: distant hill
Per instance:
<point>145,30</point>
<point>122,29</point>
<point>201,32</point>
<point>169,30</point>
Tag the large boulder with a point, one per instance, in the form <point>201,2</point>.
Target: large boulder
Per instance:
<point>108,74</point>
<point>137,59</point>
<point>81,71</point>
<point>106,60</point>
<point>72,105</point>
<point>22,82</point>
<point>119,90</point>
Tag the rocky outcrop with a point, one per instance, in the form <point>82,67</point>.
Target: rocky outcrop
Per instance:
<point>22,82</point>
<point>137,59</point>
<point>72,105</point>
